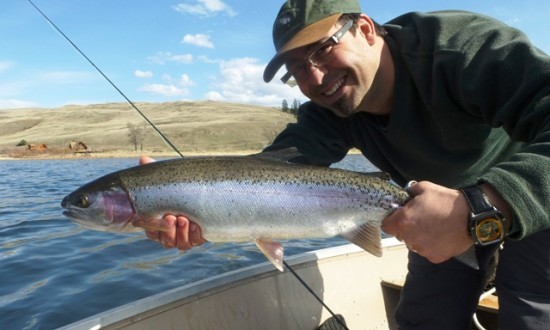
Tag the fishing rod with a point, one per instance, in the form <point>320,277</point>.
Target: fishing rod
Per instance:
<point>167,141</point>
<point>164,138</point>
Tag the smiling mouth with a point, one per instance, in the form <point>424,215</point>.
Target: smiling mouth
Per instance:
<point>334,88</point>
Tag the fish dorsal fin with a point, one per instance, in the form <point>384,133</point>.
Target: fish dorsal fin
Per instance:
<point>368,237</point>
<point>283,155</point>
<point>381,175</point>
<point>273,251</point>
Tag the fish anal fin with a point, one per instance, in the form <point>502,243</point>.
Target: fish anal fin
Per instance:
<point>273,251</point>
<point>368,237</point>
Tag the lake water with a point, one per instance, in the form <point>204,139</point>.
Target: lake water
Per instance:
<point>53,273</point>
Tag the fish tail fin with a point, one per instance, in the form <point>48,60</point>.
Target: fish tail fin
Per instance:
<point>368,237</point>
<point>273,251</point>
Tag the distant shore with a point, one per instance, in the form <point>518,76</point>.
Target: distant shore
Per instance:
<point>41,155</point>
<point>111,130</point>
<point>44,155</point>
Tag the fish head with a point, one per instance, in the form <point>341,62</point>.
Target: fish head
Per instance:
<point>102,205</point>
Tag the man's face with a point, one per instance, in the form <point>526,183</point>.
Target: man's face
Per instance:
<point>341,84</point>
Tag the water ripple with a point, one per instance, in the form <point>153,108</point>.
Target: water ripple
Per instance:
<point>43,255</point>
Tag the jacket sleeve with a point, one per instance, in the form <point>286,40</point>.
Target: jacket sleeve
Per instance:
<point>506,80</point>
<point>317,135</point>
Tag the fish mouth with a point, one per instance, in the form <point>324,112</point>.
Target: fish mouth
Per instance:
<point>78,218</point>
<point>83,220</point>
<point>73,215</point>
<point>69,215</point>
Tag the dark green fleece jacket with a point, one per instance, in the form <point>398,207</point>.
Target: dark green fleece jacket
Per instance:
<point>471,104</point>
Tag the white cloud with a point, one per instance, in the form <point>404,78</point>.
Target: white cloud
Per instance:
<point>165,90</point>
<point>185,81</point>
<point>514,21</point>
<point>163,57</point>
<point>14,104</point>
<point>183,58</point>
<point>13,88</point>
<point>200,40</point>
<point>5,65</point>
<point>66,77</point>
<point>172,87</point>
<point>213,96</point>
<point>143,74</point>
<point>205,59</point>
<point>205,8</point>
<point>241,81</point>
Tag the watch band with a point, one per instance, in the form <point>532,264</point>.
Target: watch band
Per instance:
<point>486,224</point>
<point>477,199</point>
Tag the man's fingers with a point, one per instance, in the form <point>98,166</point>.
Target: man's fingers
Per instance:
<point>168,238</point>
<point>153,235</point>
<point>182,234</point>
<point>390,225</point>
<point>195,234</point>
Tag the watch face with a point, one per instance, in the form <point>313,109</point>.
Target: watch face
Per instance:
<point>489,230</point>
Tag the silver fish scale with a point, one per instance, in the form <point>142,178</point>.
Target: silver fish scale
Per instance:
<point>241,198</point>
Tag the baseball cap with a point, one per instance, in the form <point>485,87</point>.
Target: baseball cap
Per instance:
<point>302,22</point>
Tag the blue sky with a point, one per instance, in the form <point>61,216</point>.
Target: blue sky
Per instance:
<point>168,50</point>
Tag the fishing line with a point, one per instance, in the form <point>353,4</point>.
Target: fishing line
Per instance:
<point>164,138</point>
<point>314,294</point>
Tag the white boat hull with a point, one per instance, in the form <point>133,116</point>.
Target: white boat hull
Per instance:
<point>348,280</point>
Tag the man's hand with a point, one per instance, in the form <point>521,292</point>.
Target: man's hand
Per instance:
<point>183,234</point>
<point>433,223</point>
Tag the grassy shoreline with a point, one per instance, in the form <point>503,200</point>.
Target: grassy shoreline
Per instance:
<point>38,155</point>
<point>113,130</point>
<point>135,154</point>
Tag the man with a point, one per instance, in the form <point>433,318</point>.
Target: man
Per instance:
<point>460,103</point>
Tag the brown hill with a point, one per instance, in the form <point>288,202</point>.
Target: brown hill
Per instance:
<point>193,127</point>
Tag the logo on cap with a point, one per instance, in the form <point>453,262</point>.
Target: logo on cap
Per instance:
<point>285,18</point>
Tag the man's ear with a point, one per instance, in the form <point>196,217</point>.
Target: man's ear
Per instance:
<point>365,26</point>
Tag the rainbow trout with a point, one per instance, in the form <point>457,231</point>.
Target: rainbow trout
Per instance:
<point>260,198</point>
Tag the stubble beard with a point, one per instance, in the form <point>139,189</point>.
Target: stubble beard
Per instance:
<point>344,107</point>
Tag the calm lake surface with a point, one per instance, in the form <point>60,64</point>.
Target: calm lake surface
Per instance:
<point>54,273</point>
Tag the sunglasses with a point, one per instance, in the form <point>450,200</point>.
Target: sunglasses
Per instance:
<point>320,56</point>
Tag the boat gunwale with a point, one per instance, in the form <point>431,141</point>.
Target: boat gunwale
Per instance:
<point>173,298</point>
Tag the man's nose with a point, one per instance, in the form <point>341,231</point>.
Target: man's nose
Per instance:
<point>316,74</point>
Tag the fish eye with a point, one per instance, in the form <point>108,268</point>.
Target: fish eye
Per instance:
<point>82,201</point>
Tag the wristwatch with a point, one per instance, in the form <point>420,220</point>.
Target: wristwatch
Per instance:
<point>486,223</point>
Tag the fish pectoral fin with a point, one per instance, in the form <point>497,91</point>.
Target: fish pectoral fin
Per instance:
<point>151,224</point>
<point>273,251</point>
<point>368,237</point>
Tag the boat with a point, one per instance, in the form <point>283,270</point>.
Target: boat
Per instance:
<point>350,282</point>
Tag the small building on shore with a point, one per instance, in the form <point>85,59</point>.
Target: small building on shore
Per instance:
<point>79,146</point>
<point>39,147</point>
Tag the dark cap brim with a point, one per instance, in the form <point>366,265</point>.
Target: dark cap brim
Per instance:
<point>308,35</point>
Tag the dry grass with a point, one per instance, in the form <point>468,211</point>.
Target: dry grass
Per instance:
<point>193,127</point>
